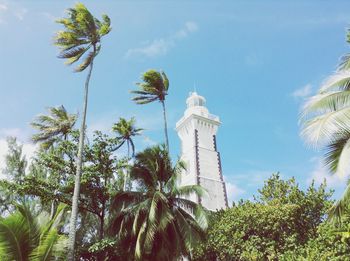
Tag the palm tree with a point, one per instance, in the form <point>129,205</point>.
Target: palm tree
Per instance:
<point>24,236</point>
<point>82,34</point>
<point>154,87</point>
<point>326,124</point>
<point>158,222</point>
<point>126,130</point>
<point>53,127</point>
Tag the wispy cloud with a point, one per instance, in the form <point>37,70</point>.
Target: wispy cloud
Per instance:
<point>20,13</point>
<point>320,173</point>
<point>3,7</point>
<point>161,46</point>
<point>250,180</point>
<point>253,59</point>
<point>233,192</point>
<point>49,16</point>
<point>8,10</point>
<point>148,141</point>
<point>302,92</point>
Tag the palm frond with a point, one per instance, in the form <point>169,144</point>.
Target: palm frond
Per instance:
<point>338,81</point>
<point>340,206</point>
<point>87,61</point>
<point>344,62</point>
<point>319,130</point>
<point>326,102</point>
<point>338,153</point>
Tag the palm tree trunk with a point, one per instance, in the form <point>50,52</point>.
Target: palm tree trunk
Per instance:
<point>75,200</point>
<point>165,127</point>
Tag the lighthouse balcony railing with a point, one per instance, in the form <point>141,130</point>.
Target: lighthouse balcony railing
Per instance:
<point>213,117</point>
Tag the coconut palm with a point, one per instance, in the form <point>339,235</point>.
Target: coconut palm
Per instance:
<point>80,41</point>
<point>23,236</point>
<point>154,87</point>
<point>158,222</point>
<point>53,127</point>
<point>126,130</point>
<point>326,124</point>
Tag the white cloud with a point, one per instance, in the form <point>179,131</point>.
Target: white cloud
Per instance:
<point>161,46</point>
<point>3,7</point>
<point>303,92</point>
<point>148,141</point>
<point>9,10</point>
<point>20,13</point>
<point>11,132</point>
<point>233,192</point>
<point>253,178</point>
<point>320,173</point>
<point>49,16</point>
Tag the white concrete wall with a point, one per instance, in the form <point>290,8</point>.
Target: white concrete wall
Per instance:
<point>198,118</point>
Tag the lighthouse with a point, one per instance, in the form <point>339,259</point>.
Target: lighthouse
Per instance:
<point>197,131</point>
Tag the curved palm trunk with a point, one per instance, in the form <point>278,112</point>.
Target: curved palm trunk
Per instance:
<point>126,176</point>
<point>165,127</point>
<point>75,199</point>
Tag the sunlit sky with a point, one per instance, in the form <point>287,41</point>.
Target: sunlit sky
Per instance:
<point>254,61</point>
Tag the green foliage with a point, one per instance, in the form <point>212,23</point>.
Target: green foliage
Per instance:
<point>51,179</point>
<point>152,223</point>
<point>282,218</point>
<point>83,32</point>
<point>16,162</point>
<point>23,236</point>
<point>14,171</point>
<point>53,127</point>
<point>126,130</point>
<point>325,123</point>
<point>327,245</point>
<point>154,87</point>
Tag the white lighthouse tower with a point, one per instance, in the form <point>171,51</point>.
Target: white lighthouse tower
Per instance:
<point>197,131</point>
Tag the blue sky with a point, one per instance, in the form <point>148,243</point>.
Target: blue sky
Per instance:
<point>254,61</point>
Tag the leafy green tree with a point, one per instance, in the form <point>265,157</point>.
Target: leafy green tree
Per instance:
<point>327,245</point>
<point>326,124</point>
<point>16,162</point>
<point>154,87</point>
<point>156,223</point>
<point>82,34</point>
<point>52,178</point>
<point>126,131</point>
<point>15,171</point>
<point>24,236</point>
<point>53,127</point>
<point>281,218</point>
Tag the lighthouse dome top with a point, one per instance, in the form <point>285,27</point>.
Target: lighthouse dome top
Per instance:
<point>195,100</point>
<point>196,108</point>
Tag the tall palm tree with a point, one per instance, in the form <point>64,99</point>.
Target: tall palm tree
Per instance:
<point>53,127</point>
<point>82,34</point>
<point>126,130</point>
<point>154,87</point>
<point>326,124</point>
<point>26,237</point>
<point>158,222</point>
